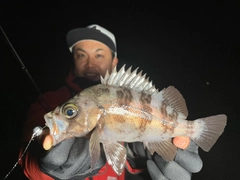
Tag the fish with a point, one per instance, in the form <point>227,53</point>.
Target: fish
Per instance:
<point>126,107</point>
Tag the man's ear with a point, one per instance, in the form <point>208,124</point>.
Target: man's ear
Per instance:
<point>115,62</point>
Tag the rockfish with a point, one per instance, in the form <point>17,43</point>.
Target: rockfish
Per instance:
<point>126,107</point>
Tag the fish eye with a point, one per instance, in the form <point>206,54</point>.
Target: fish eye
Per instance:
<point>69,110</point>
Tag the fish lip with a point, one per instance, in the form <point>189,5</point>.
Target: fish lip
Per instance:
<point>50,123</point>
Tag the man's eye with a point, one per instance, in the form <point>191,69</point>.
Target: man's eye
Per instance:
<point>99,55</point>
<point>80,55</point>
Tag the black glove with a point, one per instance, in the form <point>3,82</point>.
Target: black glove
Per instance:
<point>186,162</point>
<point>70,160</point>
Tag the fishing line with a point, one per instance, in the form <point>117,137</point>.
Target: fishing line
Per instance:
<point>36,132</point>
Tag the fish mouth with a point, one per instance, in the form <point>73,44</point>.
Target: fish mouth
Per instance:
<point>51,124</point>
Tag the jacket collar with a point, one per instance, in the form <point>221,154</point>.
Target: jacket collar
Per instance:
<point>77,84</point>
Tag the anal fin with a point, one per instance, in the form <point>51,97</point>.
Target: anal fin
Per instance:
<point>166,149</point>
<point>116,155</point>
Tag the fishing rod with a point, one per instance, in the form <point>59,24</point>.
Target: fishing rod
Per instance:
<point>43,102</point>
<point>20,61</point>
<point>37,130</point>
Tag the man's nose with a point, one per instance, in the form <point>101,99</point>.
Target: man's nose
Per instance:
<point>90,62</point>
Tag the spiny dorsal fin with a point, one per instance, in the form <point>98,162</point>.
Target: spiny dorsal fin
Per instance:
<point>129,79</point>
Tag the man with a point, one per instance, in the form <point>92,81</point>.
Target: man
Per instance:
<point>94,52</point>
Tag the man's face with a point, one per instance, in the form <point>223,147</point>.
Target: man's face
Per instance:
<point>92,59</point>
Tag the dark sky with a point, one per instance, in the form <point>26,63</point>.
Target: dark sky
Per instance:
<point>191,45</point>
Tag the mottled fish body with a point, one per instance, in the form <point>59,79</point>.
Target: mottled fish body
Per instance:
<point>126,107</point>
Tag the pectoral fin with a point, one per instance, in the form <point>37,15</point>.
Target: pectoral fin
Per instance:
<point>166,149</point>
<point>94,147</point>
<point>116,155</point>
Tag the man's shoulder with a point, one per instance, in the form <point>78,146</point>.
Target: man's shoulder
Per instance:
<point>61,90</point>
<point>58,96</point>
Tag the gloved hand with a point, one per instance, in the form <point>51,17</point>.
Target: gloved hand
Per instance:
<point>70,160</point>
<point>185,163</point>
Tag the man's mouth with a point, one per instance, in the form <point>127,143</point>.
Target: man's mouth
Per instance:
<point>92,76</point>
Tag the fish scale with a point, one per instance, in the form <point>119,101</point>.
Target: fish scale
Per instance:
<point>126,107</point>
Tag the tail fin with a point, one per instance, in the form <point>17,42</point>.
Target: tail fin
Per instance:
<point>210,130</point>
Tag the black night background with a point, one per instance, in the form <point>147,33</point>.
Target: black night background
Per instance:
<point>192,45</point>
